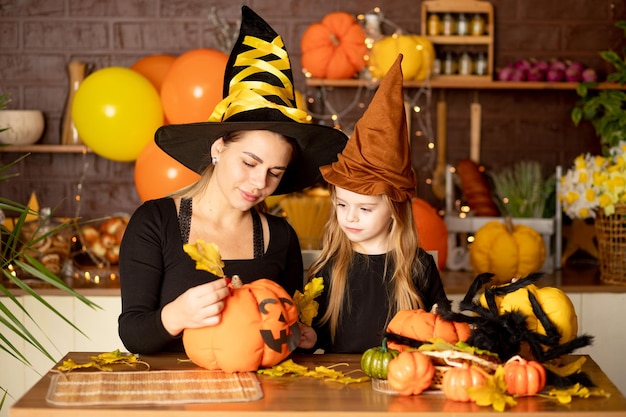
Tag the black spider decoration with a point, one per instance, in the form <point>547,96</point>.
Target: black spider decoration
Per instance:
<point>505,333</point>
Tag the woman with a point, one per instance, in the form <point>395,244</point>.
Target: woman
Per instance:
<point>255,144</point>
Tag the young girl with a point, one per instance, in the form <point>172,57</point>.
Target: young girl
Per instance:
<point>371,262</point>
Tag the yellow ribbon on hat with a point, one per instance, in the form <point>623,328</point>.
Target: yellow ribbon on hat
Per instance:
<point>250,95</point>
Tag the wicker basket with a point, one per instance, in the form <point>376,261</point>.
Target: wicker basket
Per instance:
<point>611,237</point>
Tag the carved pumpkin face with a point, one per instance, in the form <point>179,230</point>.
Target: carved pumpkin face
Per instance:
<point>259,328</point>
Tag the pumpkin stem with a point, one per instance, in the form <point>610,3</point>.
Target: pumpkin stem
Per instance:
<point>334,39</point>
<point>517,358</point>
<point>508,223</point>
<point>383,346</point>
<point>236,282</point>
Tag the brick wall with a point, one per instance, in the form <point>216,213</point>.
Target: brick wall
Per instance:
<point>38,38</point>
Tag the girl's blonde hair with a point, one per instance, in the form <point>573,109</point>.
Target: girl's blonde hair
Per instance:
<point>337,248</point>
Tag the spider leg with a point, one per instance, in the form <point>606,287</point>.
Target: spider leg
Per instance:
<point>564,348</point>
<point>519,284</point>
<point>468,302</point>
<point>552,332</point>
<point>479,281</point>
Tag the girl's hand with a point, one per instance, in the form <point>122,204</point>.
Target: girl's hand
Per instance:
<point>199,306</point>
<point>308,336</point>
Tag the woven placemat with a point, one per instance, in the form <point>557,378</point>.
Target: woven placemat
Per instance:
<point>153,387</point>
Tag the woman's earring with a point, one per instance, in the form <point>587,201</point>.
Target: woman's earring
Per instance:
<point>214,160</point>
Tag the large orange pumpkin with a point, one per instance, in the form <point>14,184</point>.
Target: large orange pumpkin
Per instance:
<point>259,328</point>
<point>431,230</point>
<point>334,47</point>
<point>422,325</point>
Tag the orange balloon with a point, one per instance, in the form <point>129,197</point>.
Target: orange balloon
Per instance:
<point>193,85</point>
<point>154,68</point>
<point>157,174</point>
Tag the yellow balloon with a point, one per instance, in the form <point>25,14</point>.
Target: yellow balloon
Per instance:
<point>116,111</point>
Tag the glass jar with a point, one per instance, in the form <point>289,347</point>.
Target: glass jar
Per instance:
<point>477,25</point>
<point>480,67</point>
<point>448,25</point>
<point>465,64</point>
<point>449,64</point>
<point>462,25</point>
<point>434,24</point>
<point>436,66</point>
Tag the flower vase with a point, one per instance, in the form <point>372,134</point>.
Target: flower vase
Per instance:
<point>69,135</point>
<point>611,237</point>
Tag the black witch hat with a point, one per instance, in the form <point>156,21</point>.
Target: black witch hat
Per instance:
<point>258,95</point>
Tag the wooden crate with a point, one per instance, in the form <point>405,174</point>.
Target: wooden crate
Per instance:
<point>483,43</point>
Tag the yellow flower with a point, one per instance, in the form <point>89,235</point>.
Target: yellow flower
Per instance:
<point>594,183</point>
<point>571,197</point>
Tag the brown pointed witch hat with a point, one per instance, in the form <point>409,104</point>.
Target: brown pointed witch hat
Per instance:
<point>377,158</point>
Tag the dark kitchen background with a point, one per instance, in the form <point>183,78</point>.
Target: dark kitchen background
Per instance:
<point>39,38</point>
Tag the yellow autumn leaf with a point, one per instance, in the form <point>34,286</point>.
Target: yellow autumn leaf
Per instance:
<point>289,367</point>
<point>348,380</point>
<point>206,255</point>
<point>577,390</point>
<point>70,365</point>
<point>284,368</point>
<point>493,392</point>
<point>305,302</point>
<point>102,360</point>
<point>568,369</point>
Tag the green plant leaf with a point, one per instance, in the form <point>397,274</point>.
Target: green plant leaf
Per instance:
<point>577,115</point>
<point>14,258</point>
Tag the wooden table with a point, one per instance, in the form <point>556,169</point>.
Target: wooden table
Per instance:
<point>316,397</point>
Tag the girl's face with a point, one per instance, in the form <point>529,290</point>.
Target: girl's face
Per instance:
<point>365,219</point>
<point>250,168</point>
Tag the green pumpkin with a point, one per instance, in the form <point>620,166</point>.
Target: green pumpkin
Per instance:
<point>375,360</point>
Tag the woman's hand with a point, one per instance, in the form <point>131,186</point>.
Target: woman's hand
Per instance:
<point>199,306</point>
<point>308,336</point>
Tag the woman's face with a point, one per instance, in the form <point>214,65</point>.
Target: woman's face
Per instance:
<point>250,168</point>
<point>365,220</point>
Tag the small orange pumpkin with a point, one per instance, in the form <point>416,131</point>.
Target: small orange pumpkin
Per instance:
<point>422,325</point>
<point>524,377</point>
<point>431,230</point>
<point>334,48</point>
<point>457,380</point>
<point>259,328</point>
<point>410,373</point>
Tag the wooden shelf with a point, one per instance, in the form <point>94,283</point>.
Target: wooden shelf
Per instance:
<point>45,148</point>
<point>460,40</point>
<point>469,82</point>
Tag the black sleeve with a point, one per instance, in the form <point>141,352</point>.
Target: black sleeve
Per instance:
<point>430,284</point>
<point>141,281</point>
